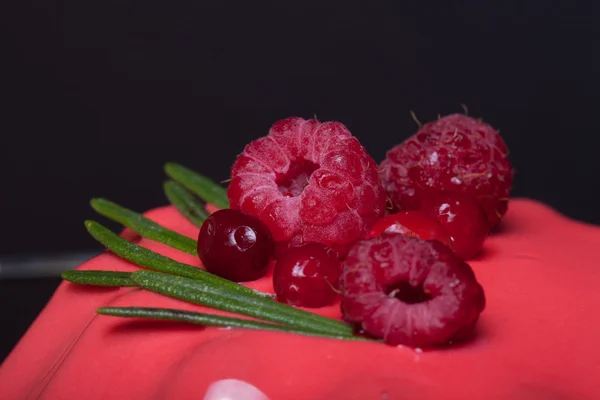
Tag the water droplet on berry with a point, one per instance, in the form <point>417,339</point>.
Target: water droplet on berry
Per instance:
<point>244,238</point>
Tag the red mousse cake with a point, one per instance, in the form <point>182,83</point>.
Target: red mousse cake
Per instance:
<point>510,316</point>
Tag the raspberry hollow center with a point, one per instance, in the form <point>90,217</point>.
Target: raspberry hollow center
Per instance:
<point>292,183</point>
<point>407,293</point>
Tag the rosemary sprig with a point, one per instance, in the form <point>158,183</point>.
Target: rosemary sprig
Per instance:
<point>219,297</point>
<point>209,320</point>
<point>99,278</point>
<point>186,282</point>
<point>200,185</point>
<point>144,226</point>
<point>206,294</point>
<point>151,260</point>
<point>185,202</point>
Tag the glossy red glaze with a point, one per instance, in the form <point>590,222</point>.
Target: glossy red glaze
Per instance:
<point>536,340</point>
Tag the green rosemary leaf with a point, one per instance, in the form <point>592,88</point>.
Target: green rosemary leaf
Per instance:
<point>209,320</point>
<point>144,226</point>
<point>200,185</point>
<point>220,297</point>
<point>185,202</point>
<point>99,278</point>
<point>152,260</point>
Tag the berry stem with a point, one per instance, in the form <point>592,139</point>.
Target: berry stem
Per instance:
<point>185,202</point>
<point>144,226</point>
<point>219,297</point>
<point>99,278</point>
<point>208,320</point>
<point>200,185</point>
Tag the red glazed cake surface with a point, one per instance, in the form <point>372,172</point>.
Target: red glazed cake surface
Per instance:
<point>536,339</point>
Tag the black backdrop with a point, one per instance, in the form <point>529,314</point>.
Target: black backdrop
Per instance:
<point>98,95</point>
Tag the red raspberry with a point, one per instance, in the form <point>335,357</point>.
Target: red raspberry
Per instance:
<point>309,181</point>
<point>463,219</point>
<point>457,153</point>
<point>410,291</point>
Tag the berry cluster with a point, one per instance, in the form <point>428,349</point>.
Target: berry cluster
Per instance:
<point>310,197</point>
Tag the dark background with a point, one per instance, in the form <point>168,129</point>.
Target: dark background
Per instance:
<point>98,95</point>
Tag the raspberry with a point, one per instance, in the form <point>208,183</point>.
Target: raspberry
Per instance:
<point>410,291</point>
<point>308,181</point>
<point>457,153</point>
<point>463,219</point>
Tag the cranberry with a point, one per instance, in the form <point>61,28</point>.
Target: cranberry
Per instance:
<point>411,223</point>
<point>235,245</point>
<point>307,275</point>
<point>464,220</point>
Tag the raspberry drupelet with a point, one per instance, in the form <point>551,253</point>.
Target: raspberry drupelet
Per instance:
<point>456,153</point>
<point>308,182</point>
<point>409,291</point>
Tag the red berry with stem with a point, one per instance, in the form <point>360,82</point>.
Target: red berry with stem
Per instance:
<point>235,245</point>
<point>457,153</point>
<point>463,219</point>
<point>308,182</point>
<point>307,275</point>
<point>410,291</point>
<point>411,223</point>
